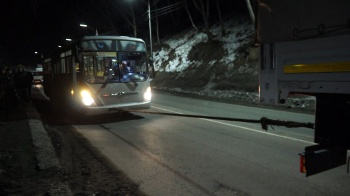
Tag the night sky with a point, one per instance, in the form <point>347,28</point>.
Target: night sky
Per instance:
<point>29,26</point>
<point>41,25</point>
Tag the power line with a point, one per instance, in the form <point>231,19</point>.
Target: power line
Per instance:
<point>161,11</point>
<point>167,9</point>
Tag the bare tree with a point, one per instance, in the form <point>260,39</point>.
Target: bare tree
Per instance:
<point>172,16</point>
<point>203,8</point>
<point>189,14</point>
<point>251,12</point>
<point>99,15</point>
<point>168,9</point>
<point>157,23</point>
<point>114,30</point>
<point>129,16</point>
<point>220,17</point>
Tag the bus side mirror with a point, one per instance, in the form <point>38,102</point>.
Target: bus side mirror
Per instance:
<point>151,67</point>
<point>78,55</point>
<point>150,59</point>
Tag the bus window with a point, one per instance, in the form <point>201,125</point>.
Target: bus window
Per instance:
<point>76,67</point>
<point>100,65</point>
<point>98,69</point>
<point>57,66</point>
<point>89,68</point>
<point>63,65</point>
<point>69,64</point>
<point>137,62</point>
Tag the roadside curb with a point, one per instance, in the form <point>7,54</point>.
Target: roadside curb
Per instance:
<point>44,150</point>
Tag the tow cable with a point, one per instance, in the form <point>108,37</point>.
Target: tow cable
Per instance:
<point>265,122</point>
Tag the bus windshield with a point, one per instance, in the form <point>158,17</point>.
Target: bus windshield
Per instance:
<point>115,67</point>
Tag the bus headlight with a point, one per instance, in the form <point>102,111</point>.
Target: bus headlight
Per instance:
<point>147,96</point>
<point>86,98</point>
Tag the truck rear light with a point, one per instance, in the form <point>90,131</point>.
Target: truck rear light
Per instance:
<point>318,158</point>
<point>302,163</point>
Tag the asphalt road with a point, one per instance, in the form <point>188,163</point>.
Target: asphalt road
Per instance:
<point>169,155</point>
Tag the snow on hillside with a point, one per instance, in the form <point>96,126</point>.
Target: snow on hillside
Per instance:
<point>238,28</point>
<point>239,31</point>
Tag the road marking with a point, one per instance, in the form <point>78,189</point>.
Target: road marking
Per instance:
<point>246,128</point>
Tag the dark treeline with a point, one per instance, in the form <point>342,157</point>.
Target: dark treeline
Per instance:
<point>130,17</point>
<point>41,25</point>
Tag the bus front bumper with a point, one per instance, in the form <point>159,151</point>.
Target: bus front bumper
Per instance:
<point>115,108</point>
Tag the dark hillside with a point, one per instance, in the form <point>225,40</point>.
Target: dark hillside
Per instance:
<point>224,69</point>
<point>188,61</point>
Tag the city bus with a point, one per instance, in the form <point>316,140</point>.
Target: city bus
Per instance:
<point>99,75</point>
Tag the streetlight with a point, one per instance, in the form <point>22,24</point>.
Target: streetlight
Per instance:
<point>150,29</point>
<point>41,54</point>
<point>68,39</point>
<point>85,26</point>
<point>37,61</point>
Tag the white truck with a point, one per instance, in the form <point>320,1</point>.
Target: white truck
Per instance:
<point>305,49</point>
<point>37,76</point>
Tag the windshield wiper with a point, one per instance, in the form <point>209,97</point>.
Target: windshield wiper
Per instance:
<point>110,74</point>
<point>132,79</point>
